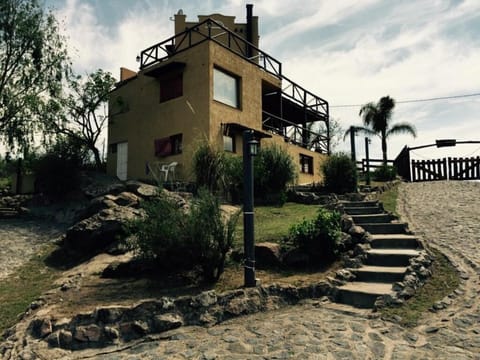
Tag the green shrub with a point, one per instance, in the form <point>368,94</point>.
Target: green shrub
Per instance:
<point>177,240</point>
<point>340,174</point>
<point>160,236</point>
<point>209,167</point>
<point>385,173</point>
<point>234,177</point>
<point>318,237</point>
<point>58,171</point>
<point>273,170</point>
<point>211,236</point>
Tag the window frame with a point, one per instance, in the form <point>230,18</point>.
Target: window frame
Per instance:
<point>306,164</point>
<point>238,88</point>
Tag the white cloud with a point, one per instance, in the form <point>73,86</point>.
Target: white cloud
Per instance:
<point>346,51</point>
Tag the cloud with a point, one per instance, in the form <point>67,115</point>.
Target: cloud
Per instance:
<point>345,51</point>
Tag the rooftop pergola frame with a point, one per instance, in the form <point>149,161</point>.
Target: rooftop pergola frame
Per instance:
<point>289,111</point>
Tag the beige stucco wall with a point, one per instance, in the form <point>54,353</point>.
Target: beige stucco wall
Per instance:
<point>148,119</point>
<point>295,151</point>
<point>196,114</point>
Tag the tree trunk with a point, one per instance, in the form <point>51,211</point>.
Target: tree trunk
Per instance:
<point>98,160</point>
<point>384,147</point>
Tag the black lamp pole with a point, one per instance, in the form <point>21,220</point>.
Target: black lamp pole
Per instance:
<point>367,175</point>
<point>250,147</point>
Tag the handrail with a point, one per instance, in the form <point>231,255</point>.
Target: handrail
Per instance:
<point>317,140</point>
<point>175,44</point>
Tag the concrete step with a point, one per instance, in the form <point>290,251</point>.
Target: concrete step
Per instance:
<point>372,218</point>
<point>390,257</point>
<point>379,274</point>
<point>363,210</point>
<point>395,241</point>
<point>385,228</point>
<point>7,213</point>
<point>351,204</point>
<point>362,294</point>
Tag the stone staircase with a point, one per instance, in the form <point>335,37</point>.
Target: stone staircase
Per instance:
<point>8,213</point>
<point>391,248</point>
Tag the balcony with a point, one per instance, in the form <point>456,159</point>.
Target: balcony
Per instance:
<point>291,111</point>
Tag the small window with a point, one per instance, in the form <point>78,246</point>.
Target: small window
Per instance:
<point>306,164</point>
<point>226,88</point>
<point>229,143</point>
<point>167,146</point>
<point>171,87</point>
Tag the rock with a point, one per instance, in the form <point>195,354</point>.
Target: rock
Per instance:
<point>356,232</point>
<point>147,191</point>
<point>346,222</point>
<point>111,333</point>
<point>40,328</point>
<point>344,275</point>
<point>296,258</point>
<point>167,322</point>
<point>267,254</point>
<point>127,199</point>
<point>109,315</point>
<point>205,299</point>
<point>90,333</point>
<point>65,339</point>
<point>95,190</point>
<point>93,234</point>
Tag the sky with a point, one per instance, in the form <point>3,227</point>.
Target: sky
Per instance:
<point>348,52</point>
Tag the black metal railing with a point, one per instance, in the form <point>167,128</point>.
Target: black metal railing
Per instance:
<point>194,36</point>
<point>294,133</point>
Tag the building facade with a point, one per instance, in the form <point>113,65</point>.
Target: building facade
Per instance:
<point>211,81</point>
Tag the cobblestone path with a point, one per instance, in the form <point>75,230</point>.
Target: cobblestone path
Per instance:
<point>447,216</point>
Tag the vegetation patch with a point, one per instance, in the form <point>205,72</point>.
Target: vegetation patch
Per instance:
<point>273,223</point>
<point>444,280</point>
<point>24,286</point>
<point>389,199</point>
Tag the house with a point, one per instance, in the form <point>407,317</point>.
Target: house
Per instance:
<point>211,81</point>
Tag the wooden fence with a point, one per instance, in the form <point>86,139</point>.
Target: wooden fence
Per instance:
<point>443,169</point>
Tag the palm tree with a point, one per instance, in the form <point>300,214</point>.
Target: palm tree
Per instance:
<point>376,118</point>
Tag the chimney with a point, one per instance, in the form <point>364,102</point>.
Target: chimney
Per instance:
<point>249,28</point>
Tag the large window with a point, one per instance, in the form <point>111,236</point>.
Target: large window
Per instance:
<point>171,86</point>
<point>226,88</point>
<point>306,164</point>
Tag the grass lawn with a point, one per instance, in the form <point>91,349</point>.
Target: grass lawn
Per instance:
<point>389,199</point>
<point>443,281</point>
<point>272,222</point>
<point>24,286</point>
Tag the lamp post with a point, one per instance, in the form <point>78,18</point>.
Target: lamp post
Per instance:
<point>367,175</point>
<point>250,149</point>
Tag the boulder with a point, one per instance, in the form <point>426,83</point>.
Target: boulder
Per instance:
<point>93,234</point>
<point>267,254</point>
<point>296,258</point>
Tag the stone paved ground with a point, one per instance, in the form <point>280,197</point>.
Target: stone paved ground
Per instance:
<point>445,213</point>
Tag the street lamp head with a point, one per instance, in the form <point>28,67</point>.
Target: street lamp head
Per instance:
<point>253,147</point>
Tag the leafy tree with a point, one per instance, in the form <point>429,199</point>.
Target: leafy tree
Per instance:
<point>319,127</point>
<point>33,62</point>
<point>80,119</point>
<point>340,174</point>
<point>376,118</point>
